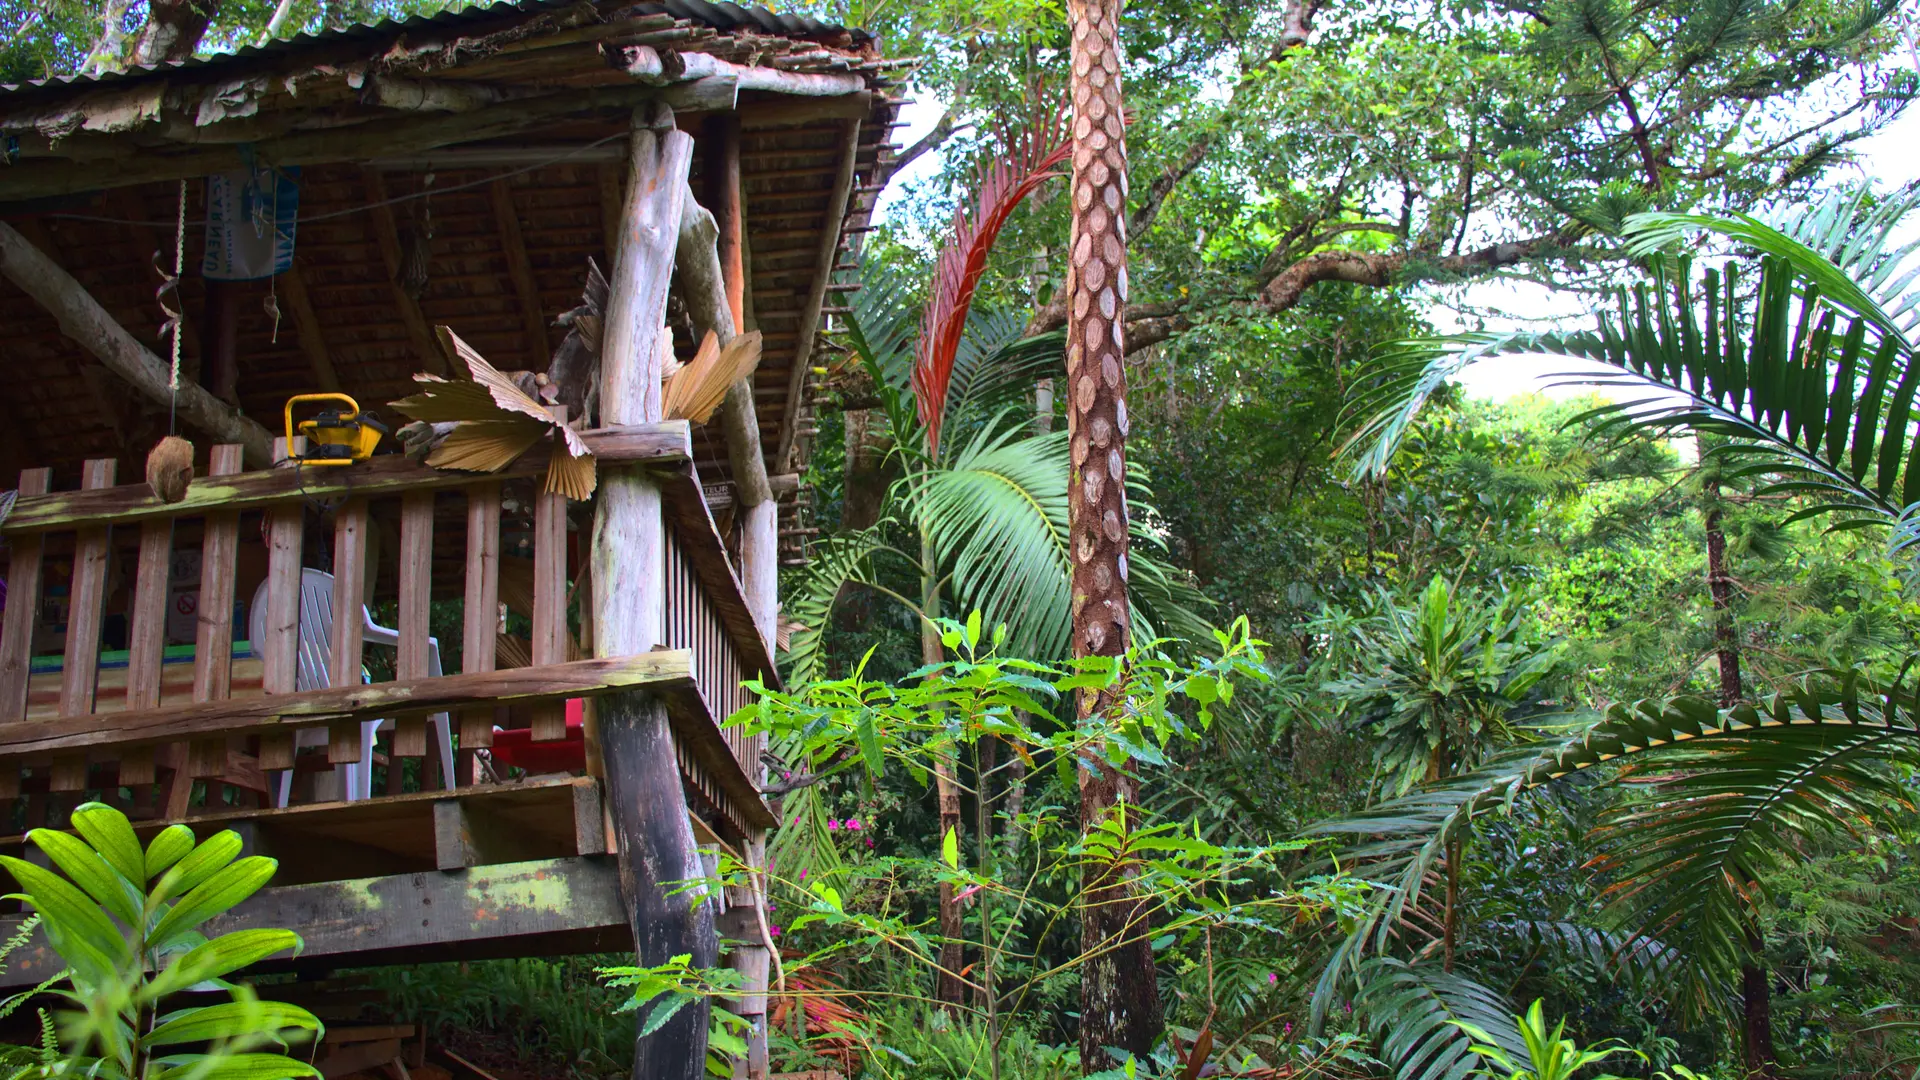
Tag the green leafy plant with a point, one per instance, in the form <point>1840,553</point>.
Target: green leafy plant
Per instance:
<point>127,921</point>
<point>1550,1055</point>
<point>661,991</point>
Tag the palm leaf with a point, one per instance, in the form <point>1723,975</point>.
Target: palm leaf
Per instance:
<point>1756,780</point>
<point>1414,1010</point>
<point>1002,185</point>
<point>1809,375</point>
<point>833,565</point>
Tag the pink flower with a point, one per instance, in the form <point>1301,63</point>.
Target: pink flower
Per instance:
<point>796,819</point>
<point>1289,1029</point>
<point>1272,978</point>
<point>833,823</point>
<point>966,892</point>
<point>803,875</point>
<point>773,931</point>
<point>869,841</point>
<point>853,823</point>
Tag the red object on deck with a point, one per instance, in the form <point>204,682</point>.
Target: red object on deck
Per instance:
<point>516,747</point>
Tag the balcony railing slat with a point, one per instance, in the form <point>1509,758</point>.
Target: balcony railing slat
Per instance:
<point>482,614</point>
<point>416,598</point>
<point>16,630</point>
<point>86,603</point>
<point>349,626</point>
<point>549,598</point>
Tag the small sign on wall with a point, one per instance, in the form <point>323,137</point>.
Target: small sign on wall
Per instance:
<point>183,598</point>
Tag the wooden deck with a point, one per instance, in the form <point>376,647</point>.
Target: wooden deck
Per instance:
<point>516,869</point>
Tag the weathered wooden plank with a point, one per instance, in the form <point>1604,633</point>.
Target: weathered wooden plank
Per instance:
<point>666,444</point>
<point>520,909</point>
<point>667,672</point>
<point>23,592</point>
<point>416,584</point>
<point>550,596</point>
<point>86,602</point>
<point>147,621</point>
<point>213,627</point>
<point>479,633</point>
<point>468,833</point>
<point>279,647</point>
<point>349,623</point>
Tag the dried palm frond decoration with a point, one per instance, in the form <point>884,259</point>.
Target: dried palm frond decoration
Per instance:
<point>495,420</point>
<point>696,388</point>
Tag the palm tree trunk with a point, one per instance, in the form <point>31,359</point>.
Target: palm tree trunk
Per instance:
<point>948,989</point>
<point>1119,989</point>
<point>1756,1028</point>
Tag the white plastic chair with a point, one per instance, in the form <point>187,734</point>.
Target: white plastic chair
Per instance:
<point>312,672</point>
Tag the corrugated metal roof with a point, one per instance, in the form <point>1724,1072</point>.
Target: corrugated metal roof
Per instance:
<point>723,16</point>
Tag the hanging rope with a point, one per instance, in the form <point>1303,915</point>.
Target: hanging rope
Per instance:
<point>179,267</point>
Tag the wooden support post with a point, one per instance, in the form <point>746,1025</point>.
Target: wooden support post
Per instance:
<point>817,292</point>
<point>700,274</point>
<point>279,651</point>
<point>656,844</point>
<point>83,319</point>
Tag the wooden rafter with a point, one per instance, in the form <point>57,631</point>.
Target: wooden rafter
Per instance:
<point>520,270</point>
<point>387,232</point>
<point>307,330</point>
<point>810,314</point>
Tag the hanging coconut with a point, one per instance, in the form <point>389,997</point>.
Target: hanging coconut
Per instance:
<point>170,467</point>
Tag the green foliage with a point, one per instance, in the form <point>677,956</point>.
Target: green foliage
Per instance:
<point>126,922</point>
<point>1549,1054</point>
<point>1437,682</point>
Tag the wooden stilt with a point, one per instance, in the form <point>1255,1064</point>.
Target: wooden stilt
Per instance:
<point>656,844</point>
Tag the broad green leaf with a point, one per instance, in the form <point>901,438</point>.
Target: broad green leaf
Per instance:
<point>65,908</point>
<point>222,956</point>
<point>237,1067</point>
<point>91,872</point>
<point>950,849</point>
<point>170,846</point>
<point>664,1011</point>
<point>204,861</point>
<point>234,1019</point>
<point>112,836</point>
<point>217,894</point>
<point>870,744</point>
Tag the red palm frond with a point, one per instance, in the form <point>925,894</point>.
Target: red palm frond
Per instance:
<point>1003,184</point>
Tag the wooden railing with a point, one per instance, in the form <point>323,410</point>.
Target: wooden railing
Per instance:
<point>69,729</point>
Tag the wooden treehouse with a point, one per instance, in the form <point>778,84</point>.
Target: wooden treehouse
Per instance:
<point>465,712</point>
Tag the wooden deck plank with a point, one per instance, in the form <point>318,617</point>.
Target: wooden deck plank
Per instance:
<point>479,637</point>
<point>668,443</point>
<point>16,630</point>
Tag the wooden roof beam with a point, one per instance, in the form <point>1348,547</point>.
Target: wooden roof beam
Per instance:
<point>384,137</point>
<point>83,319</point>
<point>306,329</point>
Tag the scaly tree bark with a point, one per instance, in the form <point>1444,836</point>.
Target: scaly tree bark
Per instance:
<point>1756,1028</point>
<point>1119,993</point>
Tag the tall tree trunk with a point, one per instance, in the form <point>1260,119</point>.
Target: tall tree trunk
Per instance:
<point>948,988</point>
<point>1756,1028</point>
<point>1119,992</point>
<point>173,30</point>
<point>869,474</point>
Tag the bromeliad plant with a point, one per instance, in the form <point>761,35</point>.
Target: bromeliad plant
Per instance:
<point>1550,1054</point>
<point>1017,887</point>
<point>126,921</point>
